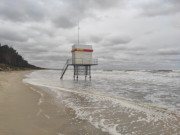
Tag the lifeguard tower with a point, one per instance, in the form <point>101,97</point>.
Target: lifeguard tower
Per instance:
<point>82,60</point>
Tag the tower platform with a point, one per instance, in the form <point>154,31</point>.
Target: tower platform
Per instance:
<point>82,68</point>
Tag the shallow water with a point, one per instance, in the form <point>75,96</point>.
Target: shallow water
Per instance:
<point>119,102</point>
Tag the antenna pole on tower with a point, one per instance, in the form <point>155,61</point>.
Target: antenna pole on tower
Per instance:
<point>78,31</point>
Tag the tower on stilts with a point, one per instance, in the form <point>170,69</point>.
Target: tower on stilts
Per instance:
<point>82,60</point>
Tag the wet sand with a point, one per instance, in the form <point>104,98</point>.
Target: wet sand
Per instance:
<point>26,111</point>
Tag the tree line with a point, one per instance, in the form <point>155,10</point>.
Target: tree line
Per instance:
<point>10,56</point>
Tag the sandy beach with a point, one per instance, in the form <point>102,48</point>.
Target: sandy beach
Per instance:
<point>22,111</point>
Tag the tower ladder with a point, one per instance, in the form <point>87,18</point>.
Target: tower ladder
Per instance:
<point>64,69</point>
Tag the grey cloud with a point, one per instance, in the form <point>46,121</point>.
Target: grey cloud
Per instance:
<point>122,53</point>
<point>119,40</point>
<point>93,4</point>
<point>21,11</point>
<point>46,64</point>
<point>50,57</point>
<point>128,49</point>
<point>75,10</point>
<point>46,59</point>
<point>96,38</point>
<point>63,14</point>
<point>118,48</point>
<point>160,7</point>
<point>138,53</point>
<point>169,51</point>
<point>42,30</point>
<point>104,4</point>
<point>115,40</point>
<point>137,48</point>
<point>174,59</point>
<point>12,35</point>
<point>106,58</point>
<point>64,22</point>
<point>33,49</point>
<point>36,51</point>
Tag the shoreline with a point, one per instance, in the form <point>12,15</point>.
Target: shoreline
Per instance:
<point>27,109</point>
<point>120,99</point>
<point>32,109</point>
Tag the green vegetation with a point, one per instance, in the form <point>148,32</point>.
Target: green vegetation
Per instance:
<point>11,60</point>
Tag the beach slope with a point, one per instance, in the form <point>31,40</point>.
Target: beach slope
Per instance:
<point>27,110</point>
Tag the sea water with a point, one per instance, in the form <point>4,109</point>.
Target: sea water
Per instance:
<point>118,102</point>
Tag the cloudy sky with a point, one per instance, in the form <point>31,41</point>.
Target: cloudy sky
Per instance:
<point>125,34</point>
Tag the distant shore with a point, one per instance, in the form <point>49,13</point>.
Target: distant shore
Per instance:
<point>5,67</point>
<point>27,110</point>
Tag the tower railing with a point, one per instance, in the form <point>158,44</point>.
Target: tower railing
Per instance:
<point>80,61</point>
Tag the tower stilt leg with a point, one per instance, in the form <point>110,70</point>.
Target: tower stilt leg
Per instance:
<point>90,72</point>
<point>74,73</point>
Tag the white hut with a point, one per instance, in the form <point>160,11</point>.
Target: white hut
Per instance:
<point>82,54</point>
